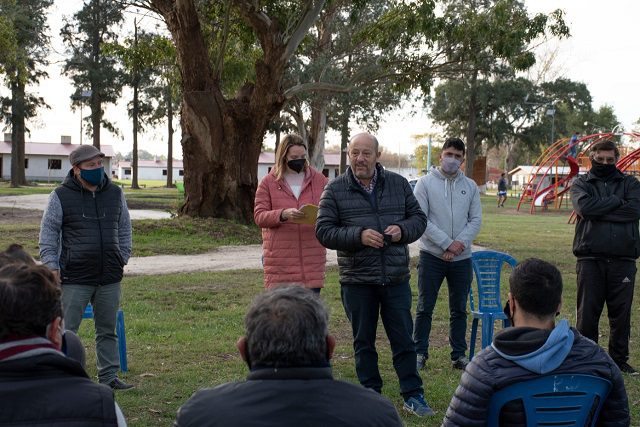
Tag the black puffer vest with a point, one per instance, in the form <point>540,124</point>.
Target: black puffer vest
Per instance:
<point>346,210</point>
<point>90,245</point>
<point>52,390</point>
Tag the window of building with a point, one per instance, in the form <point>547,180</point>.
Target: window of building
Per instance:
<point>54,164</point>
<point>181,172</point>
<point>127,171</point>
<point>269,169</point>
<point>26,163</point>
<point>164,172</point>
<point>325,172</point>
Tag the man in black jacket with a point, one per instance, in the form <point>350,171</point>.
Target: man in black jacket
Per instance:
<point>85,237</point>
<point>369,215</point>
<point>287,347</point>
<point>39,385</point>
<point>606,243</point>
<point>535,346</point>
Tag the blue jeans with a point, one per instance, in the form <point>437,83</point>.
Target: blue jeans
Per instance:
<point>363,303</point>
<point>431,272</point>
<point>105,301</point>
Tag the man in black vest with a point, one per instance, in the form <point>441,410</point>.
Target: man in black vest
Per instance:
<point>370,215</point>
<point>287,347</point>
<point>85,237</point>
<point>39,385</point>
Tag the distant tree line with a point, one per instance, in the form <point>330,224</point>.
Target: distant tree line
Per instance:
<point>239,69</point>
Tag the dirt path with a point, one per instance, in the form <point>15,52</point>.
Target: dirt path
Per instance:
<point>39,202</point>
<point>225,258</point>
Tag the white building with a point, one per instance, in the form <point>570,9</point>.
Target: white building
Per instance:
<point>45,161</point>
<point>266,161</point>
<point>150,170</point>
<point>521,175</point>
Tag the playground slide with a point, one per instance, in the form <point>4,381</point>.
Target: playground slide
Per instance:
<point>574,168</point>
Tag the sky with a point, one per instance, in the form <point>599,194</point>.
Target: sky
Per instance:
<point>602,52</point>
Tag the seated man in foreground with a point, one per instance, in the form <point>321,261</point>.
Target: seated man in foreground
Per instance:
<point>39,385</point>
<point>287,348</point>
<point>535,346</point>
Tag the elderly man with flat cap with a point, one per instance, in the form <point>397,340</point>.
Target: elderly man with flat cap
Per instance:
<point>85,237</point>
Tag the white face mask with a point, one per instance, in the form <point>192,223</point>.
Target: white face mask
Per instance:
<point>450,165</point>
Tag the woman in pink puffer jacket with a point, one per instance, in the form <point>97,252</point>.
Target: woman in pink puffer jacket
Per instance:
<point>292,253</point>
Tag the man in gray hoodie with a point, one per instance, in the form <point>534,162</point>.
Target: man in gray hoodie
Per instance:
<point>451,202</point>
<point>535,346</point>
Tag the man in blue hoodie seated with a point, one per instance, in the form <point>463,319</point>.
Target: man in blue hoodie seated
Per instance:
<point>535,346</point>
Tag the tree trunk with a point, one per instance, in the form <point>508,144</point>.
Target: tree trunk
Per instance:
<point>169,101</point>
<point>344,139</point>
<point>17,133</point>
<point>471,130</point>
<point>134,154</point>
<point>96,115</point>
<point>317,134</point>
<point>222,139</point>
<point>513,154</point>
<point>95,100</point>
<point>135,111</point>
<point>299,118</point>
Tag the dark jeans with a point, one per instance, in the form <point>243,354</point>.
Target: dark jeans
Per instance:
<point>362,303</point>
<point>431,272</point>
<point>610,281</point>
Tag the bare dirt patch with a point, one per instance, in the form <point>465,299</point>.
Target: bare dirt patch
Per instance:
<point>20,216</point>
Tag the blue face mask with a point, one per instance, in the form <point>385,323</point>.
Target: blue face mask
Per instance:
<point>92,176</point>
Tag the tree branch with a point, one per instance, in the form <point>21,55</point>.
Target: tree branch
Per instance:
<point>312,13</point>
<point>316,87</point>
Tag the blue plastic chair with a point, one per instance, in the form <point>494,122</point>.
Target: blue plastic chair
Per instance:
<point>120,332</point>
<point>554,400</point>
<point>487,266</point>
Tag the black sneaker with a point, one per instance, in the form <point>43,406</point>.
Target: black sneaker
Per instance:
<point>627,369</point>
<point>460,363</point>
<point>118,384</point>
<point>421,361</point>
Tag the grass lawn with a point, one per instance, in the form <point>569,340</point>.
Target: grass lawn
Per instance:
<point>150,237</point>
<point>182,329</point>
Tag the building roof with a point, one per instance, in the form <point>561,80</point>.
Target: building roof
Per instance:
<point>50,149</point>
<point>330,159</point>
<point>150,164</point>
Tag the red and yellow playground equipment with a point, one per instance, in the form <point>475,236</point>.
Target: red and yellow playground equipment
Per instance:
<point>555,169</point>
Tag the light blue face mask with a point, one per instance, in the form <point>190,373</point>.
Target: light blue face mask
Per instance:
<point>450,165</point>
<point>92,176</point>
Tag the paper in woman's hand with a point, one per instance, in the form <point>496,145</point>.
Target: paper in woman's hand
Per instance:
<point>310,215</point>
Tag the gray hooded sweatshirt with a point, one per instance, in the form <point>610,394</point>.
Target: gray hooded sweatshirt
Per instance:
<point>453,210</point>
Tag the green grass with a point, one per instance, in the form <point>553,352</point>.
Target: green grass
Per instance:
<point>180,235</point>
<point>35,188</point>
<point>153,196</point>
<point>182,329</point>
<point>150,237</point>
<point>189,235</point>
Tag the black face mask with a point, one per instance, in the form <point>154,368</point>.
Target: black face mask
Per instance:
<point>602,170</point>
<point>296,165</point>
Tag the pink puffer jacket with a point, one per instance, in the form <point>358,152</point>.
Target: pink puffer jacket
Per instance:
<point>292,254</point>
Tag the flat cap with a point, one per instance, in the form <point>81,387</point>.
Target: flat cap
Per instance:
<point>84,152</point>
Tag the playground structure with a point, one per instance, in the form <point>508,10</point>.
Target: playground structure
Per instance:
<point>556,167</point>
